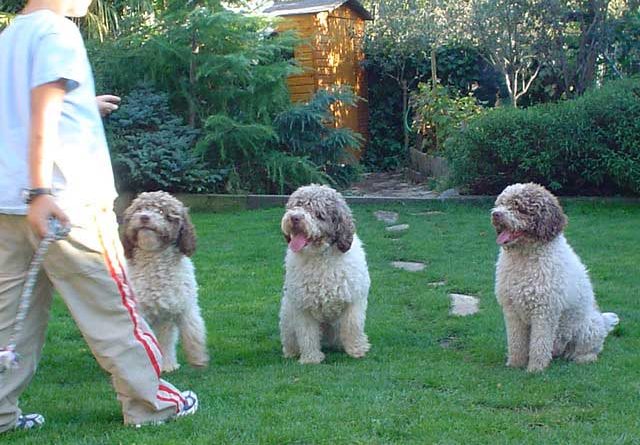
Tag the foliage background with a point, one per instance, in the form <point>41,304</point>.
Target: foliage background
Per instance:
<point>225,74</point>
<point>564,49</point>
<point>590,145</point>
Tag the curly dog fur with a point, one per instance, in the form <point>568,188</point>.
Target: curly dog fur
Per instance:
<point>543,287</point>
<point>158,238</point>
<point>326,281</point>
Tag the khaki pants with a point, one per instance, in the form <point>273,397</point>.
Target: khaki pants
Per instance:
<point>88,270</point>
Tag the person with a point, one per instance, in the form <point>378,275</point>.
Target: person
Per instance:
<point>53,152</point>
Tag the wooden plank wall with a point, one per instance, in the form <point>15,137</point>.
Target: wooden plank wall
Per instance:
<point>302,86</point>
<point>347,31</point>
<point>331,55</point>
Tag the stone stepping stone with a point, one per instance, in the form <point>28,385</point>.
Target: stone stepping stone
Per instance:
<point>450,193</point>
<point>410,266</point>
<point>386,217</point>
<point>463,305</point>
<point>398,228</point>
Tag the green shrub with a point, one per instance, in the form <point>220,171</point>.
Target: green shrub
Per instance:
<point>460,68</point>
<point>590,145</point>
<point>438,112</point>
<point>152,148</point>
<point>301,146</point>
<point>308,130</point>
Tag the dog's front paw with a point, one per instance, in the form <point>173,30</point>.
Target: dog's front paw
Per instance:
<point>516,363</point>
<point>536,366</point>
<point>289,353</point>
<point>358,351</point>
<point>312,358</point>
<point>170,367</point>
<point>586,358</point>
<point>517,360</point>
<point>201,362</point>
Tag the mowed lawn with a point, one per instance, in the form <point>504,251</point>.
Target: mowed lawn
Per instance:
<point>429,378</point>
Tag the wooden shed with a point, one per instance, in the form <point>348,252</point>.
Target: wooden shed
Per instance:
<point>331,54</point>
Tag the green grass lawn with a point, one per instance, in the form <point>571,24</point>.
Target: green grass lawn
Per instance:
<point>429,378</point>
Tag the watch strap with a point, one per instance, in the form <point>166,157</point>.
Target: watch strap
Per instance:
<point>30,194</point>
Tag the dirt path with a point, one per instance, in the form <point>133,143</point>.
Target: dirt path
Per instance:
<point>390,185</point>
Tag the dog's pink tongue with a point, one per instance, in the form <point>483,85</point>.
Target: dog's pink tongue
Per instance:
<point>297,243</point>
<point>505,236</point>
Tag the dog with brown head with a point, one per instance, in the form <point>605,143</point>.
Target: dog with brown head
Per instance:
<point>326,281</point>
<point>158,238</point>
<point>544,289</point>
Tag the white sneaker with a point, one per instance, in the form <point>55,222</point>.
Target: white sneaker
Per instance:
<point>189,407</point>
<point>29,421</point>
<point>190,404</point>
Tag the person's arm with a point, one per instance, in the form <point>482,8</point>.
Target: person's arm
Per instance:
<point>46,108</point>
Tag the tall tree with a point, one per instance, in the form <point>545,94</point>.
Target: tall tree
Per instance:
<point>509,32</point>
<point>573,41</point>
<point>578,37</point>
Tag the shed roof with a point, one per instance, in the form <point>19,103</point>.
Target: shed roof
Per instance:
<point>288,7</point>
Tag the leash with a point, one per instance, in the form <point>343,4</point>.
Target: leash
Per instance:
<point>9,358</point>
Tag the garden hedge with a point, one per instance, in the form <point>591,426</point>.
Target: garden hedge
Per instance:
<point>586,146</point>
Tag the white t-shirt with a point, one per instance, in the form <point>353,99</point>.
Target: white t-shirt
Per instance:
<point>35,49</point>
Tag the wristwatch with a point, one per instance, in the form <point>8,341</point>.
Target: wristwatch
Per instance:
<point>29,194</point>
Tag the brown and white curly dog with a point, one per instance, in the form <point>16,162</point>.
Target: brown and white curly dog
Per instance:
<point>326,280</point>
<point>158,239</point>
<point>543,287</point>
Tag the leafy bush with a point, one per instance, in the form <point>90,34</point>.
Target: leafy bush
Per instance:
<point>309,130</point>
<point>438,113</point>
<point>460,68</point>
<point>210,61</point>
<point>153,149</point>
<point>300,147</point>
<point>590,145</point>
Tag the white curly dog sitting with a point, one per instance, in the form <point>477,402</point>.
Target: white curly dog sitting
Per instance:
<point>158,238</point>
<point>326,281</point>
<point>543,287</point>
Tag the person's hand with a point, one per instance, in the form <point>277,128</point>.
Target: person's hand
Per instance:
<point>40,210</point>
<point>107,104</point>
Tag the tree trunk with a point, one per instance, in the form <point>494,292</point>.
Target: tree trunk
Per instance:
<point>592,34</point>
<point>192,81</point>
<point>512,87</point>
<point>434,67</point>
<point>405,114</point>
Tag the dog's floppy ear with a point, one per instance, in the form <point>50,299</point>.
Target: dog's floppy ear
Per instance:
<point>127,242</point>
<point>187,236</point>
<point>550,219</point>
<point>344,227</point>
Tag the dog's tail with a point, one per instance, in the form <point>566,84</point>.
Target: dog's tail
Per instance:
<point>611,320</point>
